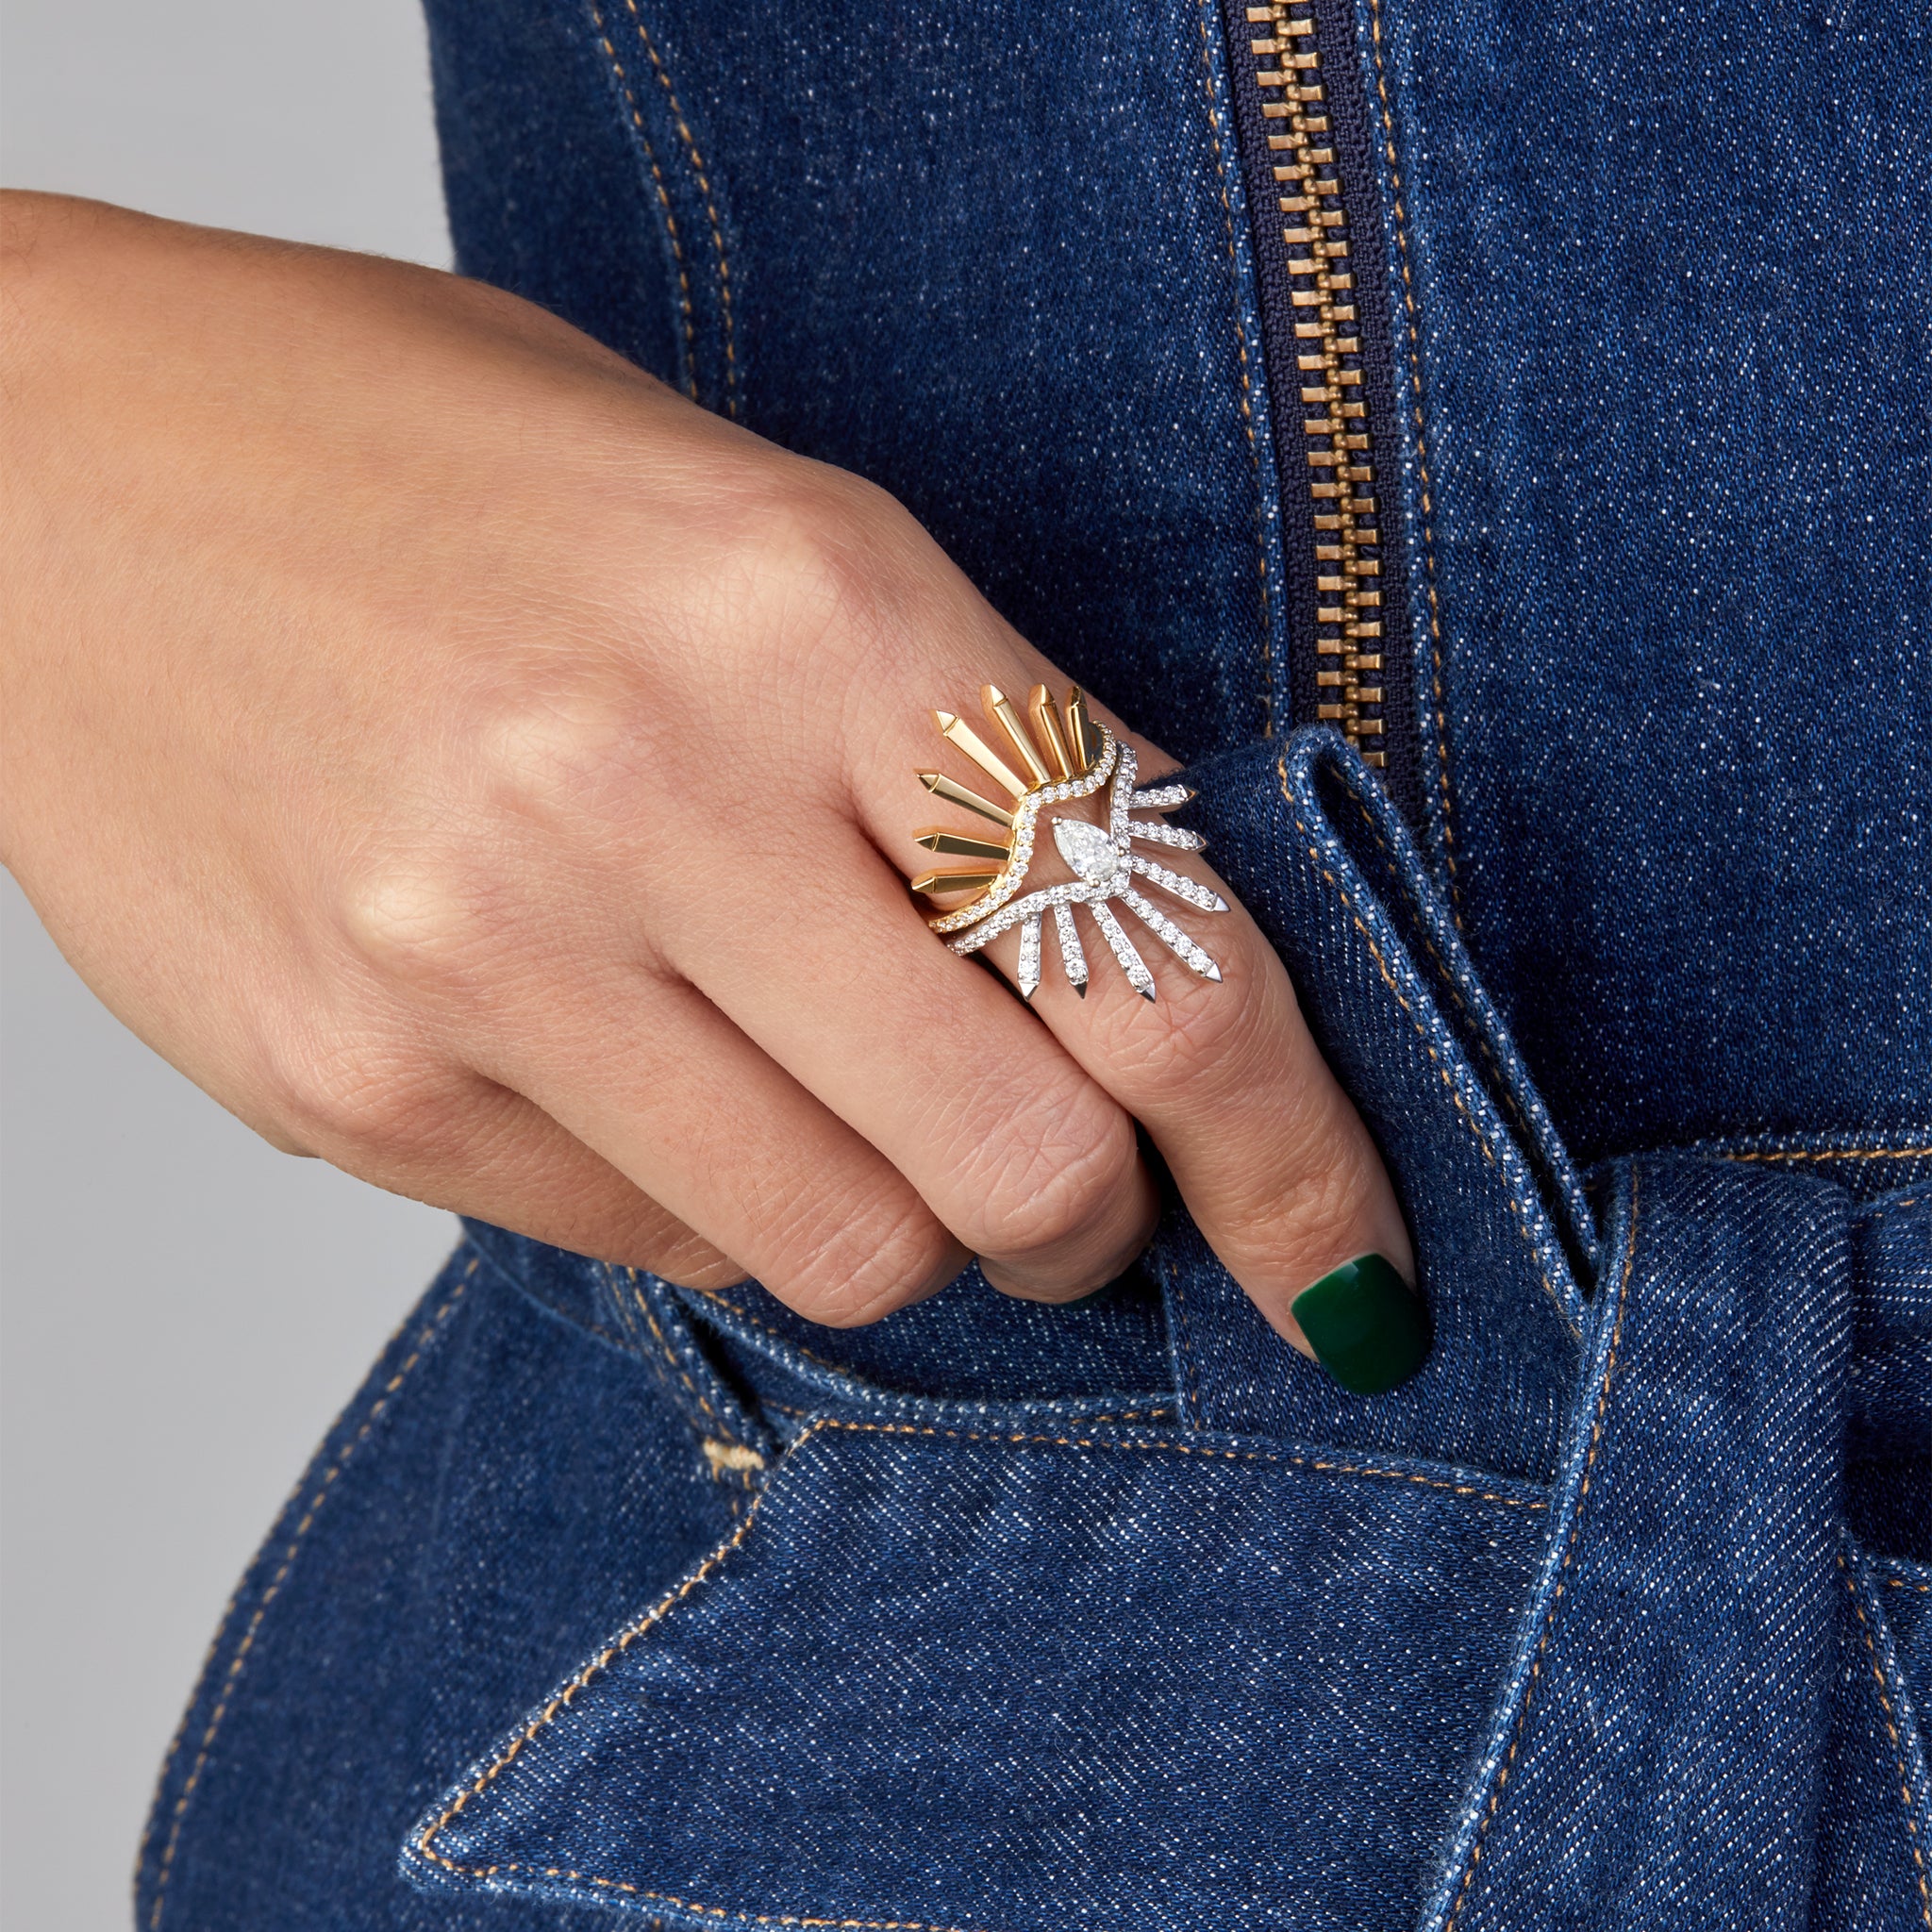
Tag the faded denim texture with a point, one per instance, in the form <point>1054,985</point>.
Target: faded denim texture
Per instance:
<point>607,1598</point>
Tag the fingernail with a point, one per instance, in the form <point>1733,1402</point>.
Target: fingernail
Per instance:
<point>1368,1327</point>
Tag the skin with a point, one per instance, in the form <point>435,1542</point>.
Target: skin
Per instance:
<point>476,766</point>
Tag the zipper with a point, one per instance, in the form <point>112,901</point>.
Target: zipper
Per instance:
<point>1308,162</point>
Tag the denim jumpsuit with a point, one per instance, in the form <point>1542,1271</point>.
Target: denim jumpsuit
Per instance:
<point>1490,440</point>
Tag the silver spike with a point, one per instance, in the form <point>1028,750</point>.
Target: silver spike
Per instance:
<point>1072,956</point>
<point>1158,833</point>
<point>1169,933</point>
<point>1122,948</point>
<point>1173,882</point>
<point>1029,957</point>
<point>1161,798</point>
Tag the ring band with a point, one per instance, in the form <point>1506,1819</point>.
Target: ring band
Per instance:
<point>1066,755</point>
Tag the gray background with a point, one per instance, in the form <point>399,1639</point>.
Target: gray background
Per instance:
<point>184,1309</point>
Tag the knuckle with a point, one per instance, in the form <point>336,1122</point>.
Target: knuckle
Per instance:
<point>849,1283</point>
<point>670,1251</point>
<point>846,1270</point>
<point>568,757</point>
<point>793,546</point>
<point>371,1102</point>
<point>1054,1175</point>
<point>816,556</point>
<point>417,920</point>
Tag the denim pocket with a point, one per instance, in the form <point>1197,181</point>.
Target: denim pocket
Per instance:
<point>1007,1679</point>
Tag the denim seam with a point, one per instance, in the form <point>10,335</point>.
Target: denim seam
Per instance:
<point>1804,1144</point>
<point>1181,1330</point>
<point>174,1752</point>
<point>728,326</point>
<point>1488,1152</point>
<point>1549,1618</point>
<point>1898,1749</point>
<point>678,1368</point>
<point>833,1368</point>
<point>1412,317</point>
<point>862,1390</point>
<point>1834,1154</point>
<point>1447,979</point>
<point>1123,1415</point>
<point>585,1677</point>
<point>424,1843</point>
<point>726,1434</point>
<point>518,1285</point>
<point>1284,1459</point>
<point>690,384</point>
<point>1210,88</point>
<point>431,1330</point>
<point>1503,1087</point>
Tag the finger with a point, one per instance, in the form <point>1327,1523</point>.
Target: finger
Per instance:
<point>474,1147</point>
<point>667,1090</point>
<point>1210,1053</point>
<point>1016,1150</point>
<point>1273,1161</point>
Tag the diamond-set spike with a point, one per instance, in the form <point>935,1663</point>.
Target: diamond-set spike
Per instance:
<point>1123,949</point>
<point>1157,834</point>
<point>1160,797</point>
<point>1072,955</point>
<point>1029,957</point>
<point>1173,882</point>
<point>1164,930</point>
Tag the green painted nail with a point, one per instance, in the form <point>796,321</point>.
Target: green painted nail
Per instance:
<point>1368,1327</point>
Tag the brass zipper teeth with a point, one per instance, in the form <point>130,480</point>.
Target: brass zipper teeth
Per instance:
<point>1334,424</point>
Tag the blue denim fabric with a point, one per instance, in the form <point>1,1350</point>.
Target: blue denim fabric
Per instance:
<point>607,1597</point>
<point>611,1596</point>
<point>1672,274</point>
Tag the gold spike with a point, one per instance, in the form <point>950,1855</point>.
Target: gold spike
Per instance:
<point>938,882</point>
<point>1082,734</point>
<point>960,845</point>
<point>999,707</point>
<point>957,731</point>
<point>1047,728</point>
<point>954,794</point>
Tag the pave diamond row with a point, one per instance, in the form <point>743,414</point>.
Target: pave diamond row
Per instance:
<point>1074,893</point>
<point>1178,942</point>
<point>1162,797</point>
<point>1073,955</point>
<point>1107,864</point>
<point>1158,833</point>
<point>1131,962</point>
<point>1173,882</point>
<point>1028,913</point>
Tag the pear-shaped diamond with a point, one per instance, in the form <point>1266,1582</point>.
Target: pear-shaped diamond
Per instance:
<point>1088,849</point>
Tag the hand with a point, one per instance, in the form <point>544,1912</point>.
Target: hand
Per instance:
<point>473,764</point>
